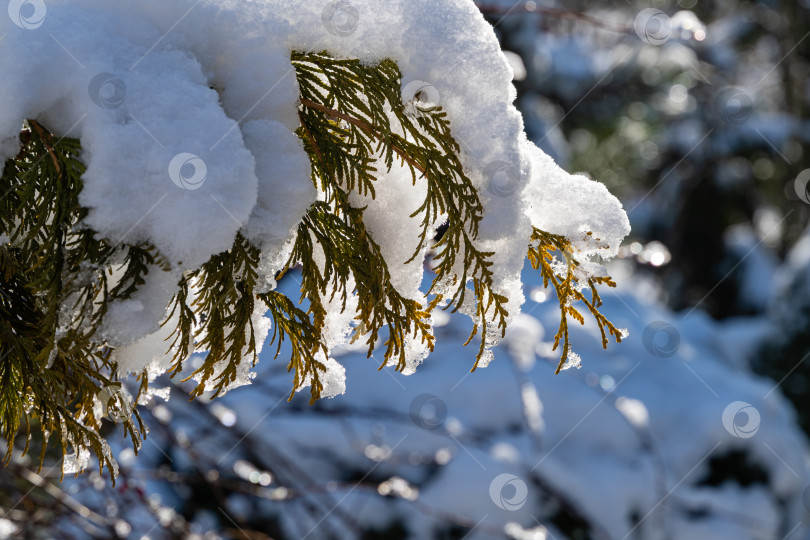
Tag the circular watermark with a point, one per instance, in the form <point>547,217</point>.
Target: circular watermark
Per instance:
<point>420,98</point>
<point>801,186</point>
<point>733,106</point>
<point>661,339</point>
<point>340,18</point>
<point>115,403</point>
<point>503,179</point>
<point>732,416</point>
<point>27,14</point>
<point>188,171</point>
<point>428,411</point>
<point>653,26</point>
<point>508,492</point>
<point>107,90</point>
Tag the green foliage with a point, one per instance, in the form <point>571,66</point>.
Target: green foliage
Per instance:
<point>51,366</point>
<point>58,280</point>
<point>352,117</point>
<point>223,307</point>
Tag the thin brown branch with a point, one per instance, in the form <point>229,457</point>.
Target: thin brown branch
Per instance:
<point>365,126</point>
<point>46,137</point>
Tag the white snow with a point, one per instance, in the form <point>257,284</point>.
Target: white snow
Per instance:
<point>186,112</point>
<point>572,206</point>
<point>7,529</point>
<point>629,434</point>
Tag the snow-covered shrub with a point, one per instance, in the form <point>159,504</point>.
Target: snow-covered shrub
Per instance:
<point>783,355</point>
<point>176,158</point>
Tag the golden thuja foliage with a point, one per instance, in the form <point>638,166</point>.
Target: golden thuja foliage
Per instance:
<point>566,283</point>
<point>56,284</point>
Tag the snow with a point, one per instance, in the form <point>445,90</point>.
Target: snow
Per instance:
<point>281,203</point>
<point>388,218</point>
<point>757,265</point>
<point>7,529</point>
<point>186,112</point>
<point>631,436</point>
<point>333,380</point>
<point>572,206</point>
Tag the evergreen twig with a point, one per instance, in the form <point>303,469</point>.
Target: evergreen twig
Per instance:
<point>57,284</point>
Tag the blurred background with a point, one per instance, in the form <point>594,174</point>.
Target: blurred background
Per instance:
<point>694,114</point>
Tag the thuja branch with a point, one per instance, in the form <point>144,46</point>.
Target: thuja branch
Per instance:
<point>565,279</point>
<point>54,292</point>
<point>58,279</point>
<point>347,134</point>
<point>365,127</point>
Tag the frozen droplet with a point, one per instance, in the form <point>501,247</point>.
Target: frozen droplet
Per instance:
<point>76,462</point>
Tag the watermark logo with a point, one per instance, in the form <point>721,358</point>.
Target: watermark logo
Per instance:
<point>741,419</point>
<point>115,403</point>
<point>653,26</point>
<point>188,171</point>
<point>340,18</point>
<point>503,179</point>
<point>801,186</point>
<point>428,411</point>
<point>420,98</point>
<point>27,14</point>
<point>733,106</point>
<point>108,91</point>
<point>508,492</point>
<point>661,339</point>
